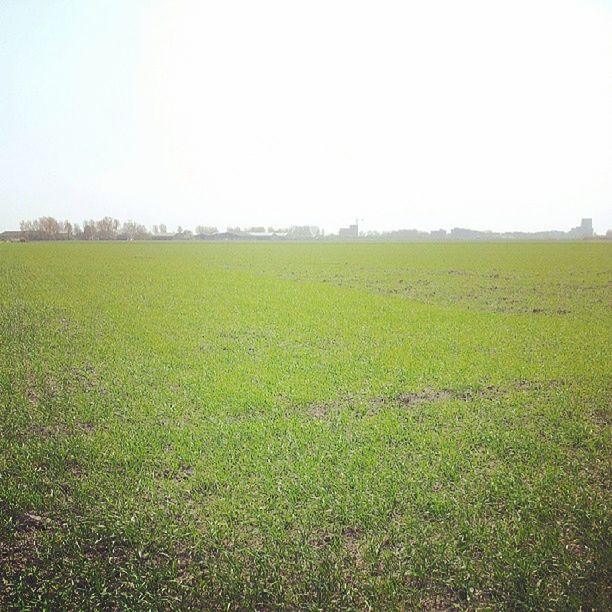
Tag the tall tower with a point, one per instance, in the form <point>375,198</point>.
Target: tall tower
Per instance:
<point>586,225</point>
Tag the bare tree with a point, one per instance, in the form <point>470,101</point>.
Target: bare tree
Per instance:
<point>304,231</point>
<point>89,229</point>
<point>134,231</point>
<point>43,228</point>
<point>107,228</point>
<point>205,229</point>
<point>28,228</point>
<point>49,227</point>
<point>67,229</point>
<point>162,228</point>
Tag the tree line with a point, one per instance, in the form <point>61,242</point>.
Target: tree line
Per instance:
<point>107,228</point>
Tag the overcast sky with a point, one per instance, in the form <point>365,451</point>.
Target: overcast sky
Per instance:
<point>487,114</point>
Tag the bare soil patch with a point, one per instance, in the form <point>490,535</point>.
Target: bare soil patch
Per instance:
<point>428,395</point>
<point>184,472</point>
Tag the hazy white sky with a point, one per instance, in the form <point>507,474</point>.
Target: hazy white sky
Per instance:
<point>481,113</point>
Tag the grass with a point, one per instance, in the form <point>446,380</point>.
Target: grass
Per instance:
<point>311,426</point>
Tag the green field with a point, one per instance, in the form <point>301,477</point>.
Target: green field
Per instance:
<point>312,426</point>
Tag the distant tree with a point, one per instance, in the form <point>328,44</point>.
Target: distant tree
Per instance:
<point>185,234</point>
<point>43,228</point>
<point>107,228</point>
<point>68,229</point>
<point>28,228</point>
<point>50,227</point>
<point>134,231</point>
<point>304,231</point>
<point>90,231</point>
<point>155,229</point>
<point>77,231</point>
<point>129,229</point>
<point>205,229</point>
<point>179,230</point>
<point>162,228</point>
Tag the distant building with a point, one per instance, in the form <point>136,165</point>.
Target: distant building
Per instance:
<point>584,230</point>
<point>221,236</point>
<point>587,227</point>
<point>352,231</point>
<point>303,232</point>
<point>13,236</point>
<point>463,233</point>
<point>405,234</point>
<point>265,235</point>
